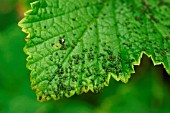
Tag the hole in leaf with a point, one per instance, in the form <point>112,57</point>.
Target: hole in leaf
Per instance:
<point>40,98</point>
<point>62,40</point>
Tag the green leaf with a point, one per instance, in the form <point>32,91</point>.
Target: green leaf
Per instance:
<point>76,45</point>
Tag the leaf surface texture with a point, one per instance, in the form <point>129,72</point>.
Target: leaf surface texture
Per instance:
<point>76,45</point>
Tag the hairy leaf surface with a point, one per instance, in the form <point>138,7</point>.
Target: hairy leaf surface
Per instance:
<point>76,45</point>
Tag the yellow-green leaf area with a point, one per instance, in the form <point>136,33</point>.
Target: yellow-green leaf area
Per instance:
<point>74,46</point>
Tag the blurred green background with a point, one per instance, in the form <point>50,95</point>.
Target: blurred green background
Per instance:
<point>148,90</point>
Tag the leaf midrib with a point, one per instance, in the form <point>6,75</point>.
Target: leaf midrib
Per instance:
<point>84,32</point>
